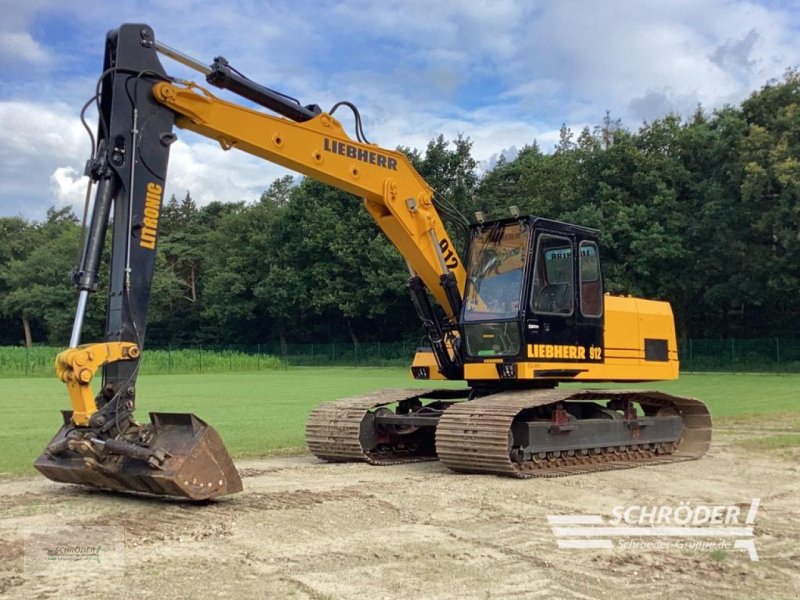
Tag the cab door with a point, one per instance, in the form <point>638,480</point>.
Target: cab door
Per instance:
<point>552,302</point>
<point>589,320</point>
<point>564,318</point>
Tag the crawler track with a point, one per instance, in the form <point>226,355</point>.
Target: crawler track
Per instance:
<point>337,431</point>
<point>475,436</point>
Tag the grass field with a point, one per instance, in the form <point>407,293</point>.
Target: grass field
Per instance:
<point>264,412</point>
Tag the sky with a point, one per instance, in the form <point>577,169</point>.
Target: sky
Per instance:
<point>504,73</point>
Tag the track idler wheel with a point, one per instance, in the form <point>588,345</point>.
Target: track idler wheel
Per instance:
<point>176,455</point>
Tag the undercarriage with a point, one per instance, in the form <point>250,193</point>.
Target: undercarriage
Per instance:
<point>516,433</point>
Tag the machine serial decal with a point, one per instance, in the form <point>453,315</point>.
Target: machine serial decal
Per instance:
<point>450,257</point>
<point>367,156</point>
<point>564,352</point>
<point>152,209</point>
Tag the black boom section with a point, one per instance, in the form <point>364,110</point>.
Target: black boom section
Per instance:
<point>130,168</point>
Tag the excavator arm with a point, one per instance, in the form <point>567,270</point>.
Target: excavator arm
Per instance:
<point>139,104</point>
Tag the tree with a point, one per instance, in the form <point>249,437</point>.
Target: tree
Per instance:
<point>331,258</point>
<point>240,253</point>
<point>17,239</point>
<point>770,200</point>
<point>175,305</point>
<point>40,288</point>
<point>279,191</point>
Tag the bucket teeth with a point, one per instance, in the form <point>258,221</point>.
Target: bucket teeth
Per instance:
<point>190,461</point>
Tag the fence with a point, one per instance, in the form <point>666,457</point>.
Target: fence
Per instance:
<point>755,355</point>
<point>17,361</point>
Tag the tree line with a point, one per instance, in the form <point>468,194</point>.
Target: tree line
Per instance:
<point>703,212</point>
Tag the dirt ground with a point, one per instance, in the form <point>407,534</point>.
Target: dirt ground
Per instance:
<point>307,529</point>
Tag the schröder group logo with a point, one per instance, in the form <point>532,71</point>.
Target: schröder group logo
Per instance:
<point>74,552</point>
<point>84,550</point>
<point>686,526</point>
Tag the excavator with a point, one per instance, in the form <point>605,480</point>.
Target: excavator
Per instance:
<point>521,310</point>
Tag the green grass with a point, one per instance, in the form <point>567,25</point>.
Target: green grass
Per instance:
<point>255,413</point>
<point>719,555</point>
<point>731,395</point>
<point>264,412</point>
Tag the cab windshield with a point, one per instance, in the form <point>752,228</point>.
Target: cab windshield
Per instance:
<point>497,262</point>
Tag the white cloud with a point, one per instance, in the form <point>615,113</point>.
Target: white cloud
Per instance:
<point>211,173</point>
<point>68,187</point>
<point>20,46</point>
<point>604,55</point>
<point>35,140</point>
<point>43,149</point>
<point>504,73</point>
<point>36,129</point>
<point>202,168</point>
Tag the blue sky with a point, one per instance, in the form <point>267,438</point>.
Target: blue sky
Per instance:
<point>504,73</point>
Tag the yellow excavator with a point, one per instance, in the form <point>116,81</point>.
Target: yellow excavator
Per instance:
<point>523,310</point>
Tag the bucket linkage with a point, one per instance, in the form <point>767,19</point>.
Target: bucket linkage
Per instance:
<point>176,454</point>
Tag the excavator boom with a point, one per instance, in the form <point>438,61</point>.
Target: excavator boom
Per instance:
<point>139,104</point>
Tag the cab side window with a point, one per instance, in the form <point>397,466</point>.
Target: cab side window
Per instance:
<point>590,280</point>
<point>552,292</point>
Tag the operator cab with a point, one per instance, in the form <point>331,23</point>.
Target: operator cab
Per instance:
<point>532,284</point>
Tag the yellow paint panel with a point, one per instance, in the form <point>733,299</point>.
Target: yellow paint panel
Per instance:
<point>628,322</point>
<point>427,359</point>
<point>621,323</point>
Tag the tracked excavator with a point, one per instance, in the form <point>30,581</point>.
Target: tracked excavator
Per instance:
<point>517,313</point>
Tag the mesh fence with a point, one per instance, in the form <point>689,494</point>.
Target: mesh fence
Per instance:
<point>731,355</point>
<point>754,355</point>
<point>39,361</point>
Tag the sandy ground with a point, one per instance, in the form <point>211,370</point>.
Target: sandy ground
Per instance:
<point>306,529</point>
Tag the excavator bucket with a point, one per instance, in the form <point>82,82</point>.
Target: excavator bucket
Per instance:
<point>192,460</point>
